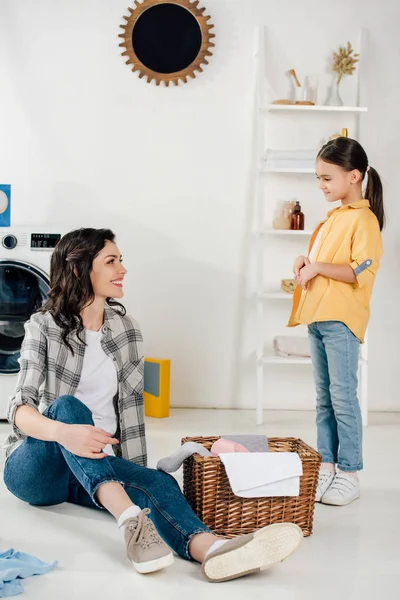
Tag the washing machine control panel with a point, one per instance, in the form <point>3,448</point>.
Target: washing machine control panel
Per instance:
<point>44,241</point>
<point>35,241</point>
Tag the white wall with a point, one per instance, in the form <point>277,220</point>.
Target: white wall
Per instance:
<point>84,142</point>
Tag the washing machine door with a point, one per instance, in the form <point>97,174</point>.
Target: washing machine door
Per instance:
<point>23,290</point>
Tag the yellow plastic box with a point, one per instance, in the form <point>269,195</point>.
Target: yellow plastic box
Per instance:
<point>156,387</point>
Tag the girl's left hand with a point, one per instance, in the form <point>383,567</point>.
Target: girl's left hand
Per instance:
<point>307,273</point>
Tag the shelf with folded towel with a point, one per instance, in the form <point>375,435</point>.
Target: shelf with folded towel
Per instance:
<point>286,232</point>
<point>270,359</point>
<point>313,108</point>
<point>290,161</point>
<point>275,296</point>
<point>288,170</point>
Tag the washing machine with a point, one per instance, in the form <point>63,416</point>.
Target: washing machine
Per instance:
<point>24,284</point>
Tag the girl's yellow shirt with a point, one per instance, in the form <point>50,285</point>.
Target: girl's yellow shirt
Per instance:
<point>351,235</point>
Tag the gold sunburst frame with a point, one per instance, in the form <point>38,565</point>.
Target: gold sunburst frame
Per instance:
<point>189,71</point>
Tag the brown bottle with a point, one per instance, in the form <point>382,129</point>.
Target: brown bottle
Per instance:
<point>297,218</point>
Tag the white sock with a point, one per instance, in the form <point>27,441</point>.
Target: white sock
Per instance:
<point>215,546</point>
<point>328,467</point>
<point>130,513</point>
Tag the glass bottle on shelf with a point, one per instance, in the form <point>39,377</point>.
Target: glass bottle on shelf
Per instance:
<point>288,209</point>
<point>297,223</point>
<point>282,218</point>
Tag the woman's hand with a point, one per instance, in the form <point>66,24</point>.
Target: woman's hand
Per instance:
<point>299,263</point>
<point>308,272</point>
<point>84,440</point>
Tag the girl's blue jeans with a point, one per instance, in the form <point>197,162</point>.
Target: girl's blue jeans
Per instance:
<point>334,355</point>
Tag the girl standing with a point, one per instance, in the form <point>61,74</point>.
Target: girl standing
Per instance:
<point>335,282</point>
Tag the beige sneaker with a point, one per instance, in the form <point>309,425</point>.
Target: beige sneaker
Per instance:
<point>145,548</point>
<point>252,552</point>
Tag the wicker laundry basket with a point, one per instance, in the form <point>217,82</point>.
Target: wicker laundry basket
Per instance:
<point>206,487</point>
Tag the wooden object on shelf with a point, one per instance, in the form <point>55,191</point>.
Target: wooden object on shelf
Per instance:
<point>292,72</point>
<point>283,102</point>
<point>288,285</point>
<point>167,41</point>
<point>294,102</point>
<point>344,133</point>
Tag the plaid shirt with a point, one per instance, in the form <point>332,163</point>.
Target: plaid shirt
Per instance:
<point>49,370</point>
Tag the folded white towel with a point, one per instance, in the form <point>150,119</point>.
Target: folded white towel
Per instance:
<point>261,474</point>
<point>307,154</point>
<point>292,346</point>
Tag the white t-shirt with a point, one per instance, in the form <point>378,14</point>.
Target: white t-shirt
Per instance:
<point>313,251</point>
<point>315,245</point>
<point>98,385</point>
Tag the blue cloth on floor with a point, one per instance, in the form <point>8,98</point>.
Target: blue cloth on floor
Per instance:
<point>17,565</point>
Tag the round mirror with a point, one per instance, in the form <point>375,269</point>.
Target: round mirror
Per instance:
<point>167,41</point>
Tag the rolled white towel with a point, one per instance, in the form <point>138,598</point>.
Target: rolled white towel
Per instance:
<point>292,346</point>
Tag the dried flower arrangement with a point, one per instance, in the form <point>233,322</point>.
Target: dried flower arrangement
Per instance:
<point>344,61</point>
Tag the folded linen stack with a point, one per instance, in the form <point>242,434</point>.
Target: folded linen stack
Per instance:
<point>286,346</point>
<point>287,159</point>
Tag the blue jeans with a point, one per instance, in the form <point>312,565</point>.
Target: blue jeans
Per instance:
<point>45,473</point>
<point>334,355</point>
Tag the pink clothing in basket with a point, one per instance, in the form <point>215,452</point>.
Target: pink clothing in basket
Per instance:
<point>226,446</point>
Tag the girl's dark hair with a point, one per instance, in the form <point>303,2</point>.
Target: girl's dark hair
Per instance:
<point>70,285</point>
<point>350,155</point>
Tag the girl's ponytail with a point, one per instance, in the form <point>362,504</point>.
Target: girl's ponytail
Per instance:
<point>374,193</point>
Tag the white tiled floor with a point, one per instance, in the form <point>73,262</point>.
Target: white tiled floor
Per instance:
<point>354,552</point>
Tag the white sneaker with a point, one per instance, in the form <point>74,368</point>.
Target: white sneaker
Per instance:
<point>344,489</point>
<point>325,479</point>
